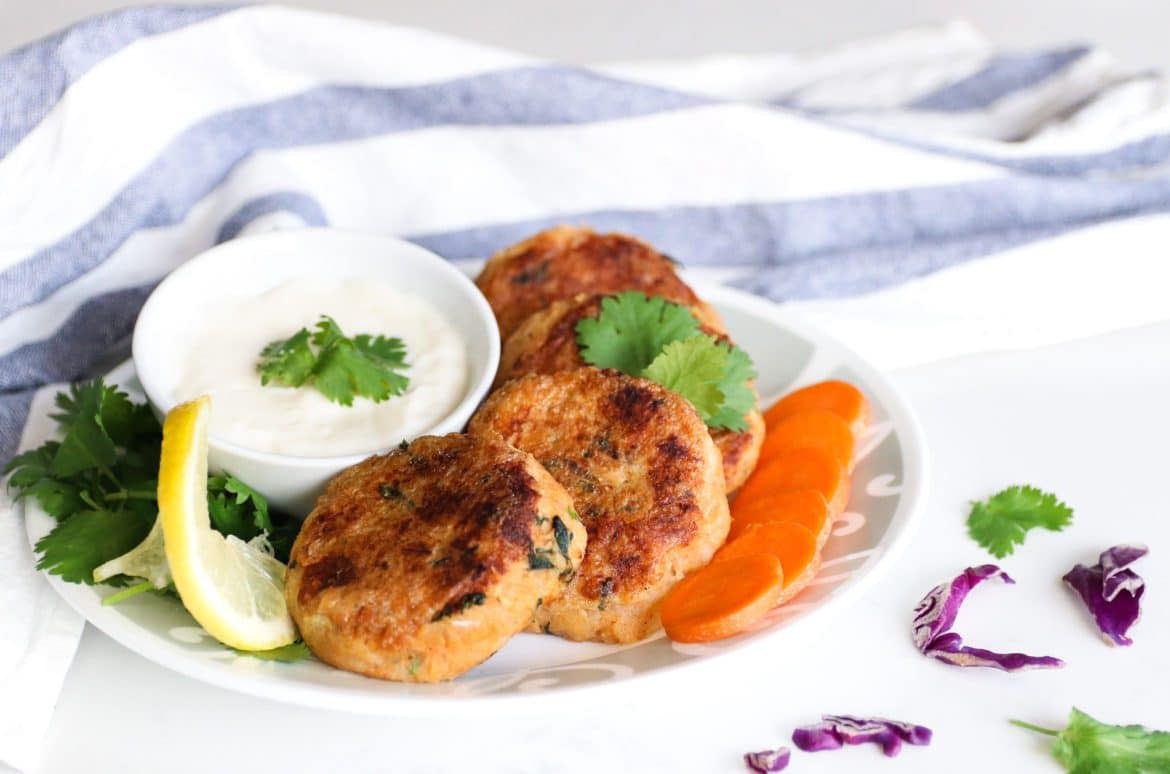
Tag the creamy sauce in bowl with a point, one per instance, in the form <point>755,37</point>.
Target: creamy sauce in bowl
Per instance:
<point>220,360</point>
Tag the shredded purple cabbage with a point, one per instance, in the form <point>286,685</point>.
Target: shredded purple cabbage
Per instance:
<point>936,613</point>
<point>834,731</point>
<point>1111,591</point>
<point>767,761</point>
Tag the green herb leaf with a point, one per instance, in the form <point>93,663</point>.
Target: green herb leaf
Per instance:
<point>86,445</point>
<point>1088,746</point>
<point>101,484</point>
<point>288,362</point>
<point>1002,522</point>
<point>662,341</point>
<point>538,559</point>
<point>90,538</point>
<point>631,330</point>
<point>285,654</point>
<point>32,477</point>
<point>238,508</point>
<point>284,532</point>
<point>342,368</point>
<point>459,605</point>
<point>563,537</point>
<point>738,398</point>
<point>694,369</point>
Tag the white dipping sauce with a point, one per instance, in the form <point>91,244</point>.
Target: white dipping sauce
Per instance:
<point>220,360</point>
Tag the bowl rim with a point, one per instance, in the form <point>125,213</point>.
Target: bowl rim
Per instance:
<point>478,384</point>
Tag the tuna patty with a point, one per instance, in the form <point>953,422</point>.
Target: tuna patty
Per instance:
<point>419,564</point>
<point>645,479</point>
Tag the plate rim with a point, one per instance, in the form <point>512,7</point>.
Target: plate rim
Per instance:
<point>906,519</point>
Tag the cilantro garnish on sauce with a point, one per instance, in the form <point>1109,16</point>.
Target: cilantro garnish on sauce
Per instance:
<point>1001,523</point>
<point>660,341</point>
<point>338,366</point>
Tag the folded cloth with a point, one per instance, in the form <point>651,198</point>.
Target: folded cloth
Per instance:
<point>920,195</point>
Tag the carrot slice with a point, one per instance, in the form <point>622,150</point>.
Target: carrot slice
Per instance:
<point>814,429</point>
<point>841,398</point>
<point>722,599</point>
<point>806,507</point>
<point>795,546</point>
<point>800,469</point>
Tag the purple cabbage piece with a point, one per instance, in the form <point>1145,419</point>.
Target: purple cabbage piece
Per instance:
<point>936,613</point>
<point>1111,591</point>
<point>834,731</point>
<point>767,761</point>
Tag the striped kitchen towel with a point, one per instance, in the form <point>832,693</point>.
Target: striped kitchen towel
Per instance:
<point>920,196</point>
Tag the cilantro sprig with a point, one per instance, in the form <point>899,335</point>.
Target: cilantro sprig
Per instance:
<point>1088,746</point>
<point>100,482</point>
<point>1001,522</point>
<point>655,339</point>
<point>340,367</point>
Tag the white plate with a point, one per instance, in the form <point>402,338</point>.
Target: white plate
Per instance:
<point>888,485</point>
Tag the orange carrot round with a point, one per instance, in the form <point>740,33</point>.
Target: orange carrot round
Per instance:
<point>806,507</point>
<point>722,599</point>
<point>800,469</point>
<point>814,429</point>
<point>841,398</point>
<point>795,546</point>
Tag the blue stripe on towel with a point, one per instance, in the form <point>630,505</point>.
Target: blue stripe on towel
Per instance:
<point>83,340</point>
<point>33,78</point>
<point>1003,76</point>
<point>302,205</point>
<point>13,416</point>
<point>201,157</point>
<point>782,232</point>
<point>828,247</point>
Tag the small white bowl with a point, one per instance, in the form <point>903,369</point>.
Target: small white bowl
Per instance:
<point>252,265</point>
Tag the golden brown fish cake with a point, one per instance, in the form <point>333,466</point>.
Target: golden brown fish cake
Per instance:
<point>419,564</point>
<point>566,260</point>
<point>546,342</point>
<point>645,478</point>
<point>740,449</point>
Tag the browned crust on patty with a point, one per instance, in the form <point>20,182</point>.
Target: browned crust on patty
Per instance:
<point>566,260</point>
<point>546,342</point>
<point>645,478</point>
<point>416,565</point>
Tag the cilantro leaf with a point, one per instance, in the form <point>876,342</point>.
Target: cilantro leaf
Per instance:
<point>86,445</point>
<point>101,484</point>
<point>283,535</point>
<point>236,508</point>
<point>32,477</point>
<point>1002,522</point>
<point>285,654</point>
<point>661,341</point>
<point>632,330</point>
<point>88,539</point>
<point>288,362</point>
<point>364,366</point>
<point>342,368</point>
<point>693,368</point>
<point>738,397</point>
<point>1088,746</point>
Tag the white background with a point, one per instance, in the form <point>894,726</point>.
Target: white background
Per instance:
<point>601,30</point>
<point>1087,420</point>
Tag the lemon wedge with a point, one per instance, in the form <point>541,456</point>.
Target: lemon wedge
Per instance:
<point>147,560</point>
<point>235,590</point>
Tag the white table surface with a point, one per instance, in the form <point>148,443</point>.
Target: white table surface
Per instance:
<point>1087,420</point>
